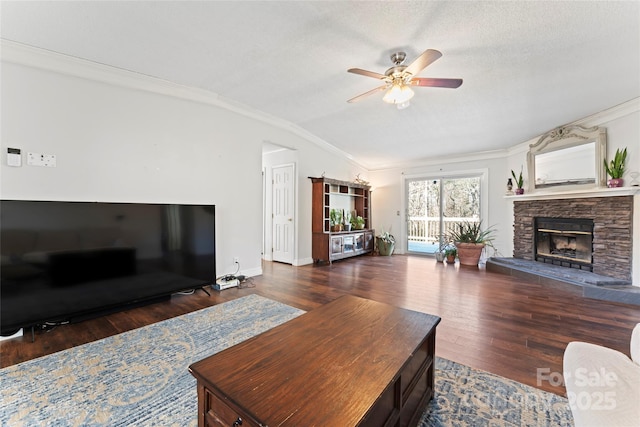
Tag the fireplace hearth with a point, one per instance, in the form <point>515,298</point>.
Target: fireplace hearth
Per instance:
<point>567,242</point>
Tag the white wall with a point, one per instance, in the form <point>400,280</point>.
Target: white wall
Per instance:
<point>623,130</point>
<point>389,204</point>
<point>122,137</point>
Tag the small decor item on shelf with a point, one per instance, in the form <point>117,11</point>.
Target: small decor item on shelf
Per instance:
<point>615,168</point>
<point>519,181</point>
<point>359,180</point>
<point>346,220</point>
<point>357,222</point>
<point>335,219</point>
<point>385,242</point>
<point>509,186</point>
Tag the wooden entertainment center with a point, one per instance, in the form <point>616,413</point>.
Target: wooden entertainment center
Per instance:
<point>351,362</point>
<point>327,194</point>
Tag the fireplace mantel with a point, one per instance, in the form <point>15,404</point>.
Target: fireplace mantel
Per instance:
<point>577,194</point>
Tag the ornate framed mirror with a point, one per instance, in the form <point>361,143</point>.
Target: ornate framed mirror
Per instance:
<point>568,156</point>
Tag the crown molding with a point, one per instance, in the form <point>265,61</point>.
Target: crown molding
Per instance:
<point>598,119</point>
<point>436,161</point>
<point>34,57</point>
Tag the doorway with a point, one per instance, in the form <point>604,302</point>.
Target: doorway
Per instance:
<point>434,205</point>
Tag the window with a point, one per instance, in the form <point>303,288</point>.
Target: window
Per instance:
<point>435,206</point>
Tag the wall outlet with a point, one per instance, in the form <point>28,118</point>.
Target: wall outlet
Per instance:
<point>236,260</point>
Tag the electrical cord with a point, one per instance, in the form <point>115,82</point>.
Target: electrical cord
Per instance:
<point>233,276</point>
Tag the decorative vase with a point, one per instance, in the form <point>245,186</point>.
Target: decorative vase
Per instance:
<point>615,182</point>
<point>469,253</point>
<point>439,256</point>
<point>519,191</point>
<point>347,227</point>
<point>336,227</point>
<point>384,248</point>
<point>451,259</point>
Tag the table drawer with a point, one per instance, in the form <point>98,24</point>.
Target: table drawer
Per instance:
<point>414,366</point>
<point>219,414</point>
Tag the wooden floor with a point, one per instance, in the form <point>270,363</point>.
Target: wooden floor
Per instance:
<point>490,321</point>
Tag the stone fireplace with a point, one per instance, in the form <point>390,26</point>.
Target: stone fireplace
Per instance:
<point>560,231</point>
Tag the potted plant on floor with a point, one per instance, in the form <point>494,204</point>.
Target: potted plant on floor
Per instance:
<point>470,239</point>
<point>615,168</point>
<point>519,181</point>
<point>335,220</point>
<point>385,242</point>
<point>450,254</point>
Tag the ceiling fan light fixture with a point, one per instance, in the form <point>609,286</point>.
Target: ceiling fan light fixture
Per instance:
<point>396,81</point>
<point>403,105</point>
<point>398,94</point>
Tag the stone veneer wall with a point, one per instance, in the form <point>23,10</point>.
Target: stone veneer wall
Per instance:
<point>612,232</point>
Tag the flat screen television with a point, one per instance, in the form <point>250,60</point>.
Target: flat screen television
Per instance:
<point>65,261</point>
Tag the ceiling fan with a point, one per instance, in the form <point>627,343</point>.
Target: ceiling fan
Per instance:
<point>399,78</point>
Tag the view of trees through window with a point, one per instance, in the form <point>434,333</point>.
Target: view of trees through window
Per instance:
<point>460,202</point>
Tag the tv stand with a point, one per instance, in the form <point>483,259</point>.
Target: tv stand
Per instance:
<point>327,243</point>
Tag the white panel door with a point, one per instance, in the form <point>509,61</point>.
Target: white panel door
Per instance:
<point>283,213</point>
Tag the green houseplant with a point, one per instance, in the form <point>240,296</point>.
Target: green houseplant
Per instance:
<point>615,168</point>
<point>386,243</point>
<point>357,222</point>
<point>335,219</point>
<point>346,220</point>
<point>451,253</point>
<point>519,180</point>
<point>470,239</point>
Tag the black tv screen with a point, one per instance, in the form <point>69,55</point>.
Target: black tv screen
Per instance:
<point>65,260</point>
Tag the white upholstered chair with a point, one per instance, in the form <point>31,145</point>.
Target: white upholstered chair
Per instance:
<point>603,385</point>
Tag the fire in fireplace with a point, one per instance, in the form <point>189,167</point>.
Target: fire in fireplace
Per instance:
<point>564,241</point>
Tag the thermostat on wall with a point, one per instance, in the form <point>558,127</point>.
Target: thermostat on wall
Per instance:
<point>14,158</point>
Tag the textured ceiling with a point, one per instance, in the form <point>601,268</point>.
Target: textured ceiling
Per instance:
<point>527,66</point>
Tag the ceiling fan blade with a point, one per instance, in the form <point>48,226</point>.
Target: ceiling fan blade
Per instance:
<point>424,81</point>
<point>366,73</point>
<point>371,92</point>
<point>428,57</point>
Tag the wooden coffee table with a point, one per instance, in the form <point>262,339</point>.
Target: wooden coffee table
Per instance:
<point>351,362</point>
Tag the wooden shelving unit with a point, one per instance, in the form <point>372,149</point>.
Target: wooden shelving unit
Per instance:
<point>331,193</point>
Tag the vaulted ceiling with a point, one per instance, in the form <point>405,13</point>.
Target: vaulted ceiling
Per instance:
<point>527,66</point>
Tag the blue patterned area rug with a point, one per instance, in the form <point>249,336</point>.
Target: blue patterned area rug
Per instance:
<point>141,378</point>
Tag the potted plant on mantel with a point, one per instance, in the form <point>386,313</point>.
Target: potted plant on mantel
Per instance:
<point>470,240</point>
<point>519,181</point>
<point>615,169</point>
